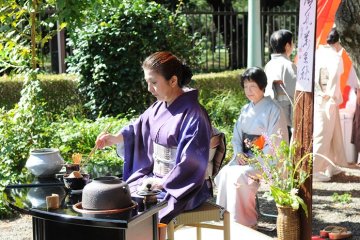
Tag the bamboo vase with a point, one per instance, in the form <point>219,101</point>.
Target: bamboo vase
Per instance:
<point>288,224</point>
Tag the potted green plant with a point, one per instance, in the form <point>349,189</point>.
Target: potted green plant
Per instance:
<point>284,173</point>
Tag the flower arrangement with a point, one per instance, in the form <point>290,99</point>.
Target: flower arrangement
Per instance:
<point>280,171</point>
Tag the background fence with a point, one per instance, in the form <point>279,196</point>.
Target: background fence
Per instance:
<point>223,35</point>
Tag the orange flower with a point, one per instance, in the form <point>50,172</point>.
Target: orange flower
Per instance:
<point>259,142</point>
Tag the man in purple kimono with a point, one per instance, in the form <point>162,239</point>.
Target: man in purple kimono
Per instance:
<point>168,145</point>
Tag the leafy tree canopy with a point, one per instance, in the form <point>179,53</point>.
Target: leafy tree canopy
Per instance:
<point>108,52</point>
<point>18,33</point>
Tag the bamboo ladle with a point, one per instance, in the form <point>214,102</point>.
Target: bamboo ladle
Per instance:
<point>94,148</point>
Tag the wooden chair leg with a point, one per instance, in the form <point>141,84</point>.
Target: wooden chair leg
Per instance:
<point>226,223</point>
<point>198,233</point>
<point>170,231</point>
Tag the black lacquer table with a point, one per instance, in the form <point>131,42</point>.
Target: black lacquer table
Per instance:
<point>139,223</point>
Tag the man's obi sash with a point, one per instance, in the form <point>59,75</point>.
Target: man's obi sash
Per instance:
<point>165,159</point>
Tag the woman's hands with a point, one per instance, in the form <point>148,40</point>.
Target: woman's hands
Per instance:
<point>326,98</point>
<point>107,139</point>
<point>242,159</point>
<point>155,183</point>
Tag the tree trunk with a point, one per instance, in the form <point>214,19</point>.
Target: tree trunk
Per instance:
<point>303,132</point>
<point>347,24</point>
<point>33,35</point>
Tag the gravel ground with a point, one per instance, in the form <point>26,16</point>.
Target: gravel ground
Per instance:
<point>325,210</point>
<point>19,228</point>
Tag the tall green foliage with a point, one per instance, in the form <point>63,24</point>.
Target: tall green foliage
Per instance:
<point>26,25</point>
<point>24,127</point>
<point>27,125</point>
<point>15,30</point>
<point>109,50</point>
<point>32,23</point>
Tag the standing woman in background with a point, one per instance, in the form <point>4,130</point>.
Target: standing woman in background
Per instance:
<point>328,143</point>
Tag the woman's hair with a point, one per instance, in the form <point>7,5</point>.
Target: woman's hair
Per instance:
<point>254,74</point>
<point>279,39</point>
<point>168,65</point>
<point>333,36</point>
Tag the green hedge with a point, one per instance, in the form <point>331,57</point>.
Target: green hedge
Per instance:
<point>59,91</point>
<point>220,94</point>
<point>228,80</point>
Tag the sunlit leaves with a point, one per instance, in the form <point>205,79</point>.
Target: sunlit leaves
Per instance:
<point>15,30</point>
<point>109,49</point>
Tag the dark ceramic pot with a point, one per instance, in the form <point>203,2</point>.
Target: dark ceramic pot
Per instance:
<point>76,183</point>
<point>105,193</point>
<point>70,167</point>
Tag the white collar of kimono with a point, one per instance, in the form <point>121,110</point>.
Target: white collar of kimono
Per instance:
<point>187,89</point>
<point>279,55</point>
<point>260,102</point>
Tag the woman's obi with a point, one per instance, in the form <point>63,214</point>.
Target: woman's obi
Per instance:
<point>165,160</point>
<point>251,138</point>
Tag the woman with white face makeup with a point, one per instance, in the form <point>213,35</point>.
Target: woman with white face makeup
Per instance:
<point>235,181</point>
<point>168,145</point>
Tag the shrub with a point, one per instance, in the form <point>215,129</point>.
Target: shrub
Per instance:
<point>59,92</point>
<point>22,128</point>
<point>68,135</point>
<point>79,135</point>
<point>222,97</point>
<point>228,80</point>
<point>10,92</point>
<point>109,50</point>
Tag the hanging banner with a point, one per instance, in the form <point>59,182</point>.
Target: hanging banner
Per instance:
<point>306,45</point>
<point>326,10</point>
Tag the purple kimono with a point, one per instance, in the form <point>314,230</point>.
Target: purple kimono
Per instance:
<point>183,125</point>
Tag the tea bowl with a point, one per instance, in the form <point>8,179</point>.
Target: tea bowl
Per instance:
<point>73,183</point>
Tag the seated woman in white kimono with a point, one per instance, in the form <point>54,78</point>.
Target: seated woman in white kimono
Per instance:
<point>235,181</point>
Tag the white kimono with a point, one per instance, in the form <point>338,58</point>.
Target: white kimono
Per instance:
<point>328,141</point>
<point>236,190</point>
